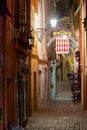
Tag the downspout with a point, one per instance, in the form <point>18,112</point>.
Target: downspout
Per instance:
<point>84,88</point>
<point>85,61</point>
<point>85,66</point>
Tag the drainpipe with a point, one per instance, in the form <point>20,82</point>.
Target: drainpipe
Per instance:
<point>85,62</point>
<point>85,66</point>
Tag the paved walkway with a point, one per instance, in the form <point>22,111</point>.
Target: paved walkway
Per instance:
<point>63,91</point>
<point>59,115</point>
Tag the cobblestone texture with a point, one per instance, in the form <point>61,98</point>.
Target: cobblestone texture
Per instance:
<point>59,115</point>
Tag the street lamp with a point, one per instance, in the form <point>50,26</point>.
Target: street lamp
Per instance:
<point>53,22</point>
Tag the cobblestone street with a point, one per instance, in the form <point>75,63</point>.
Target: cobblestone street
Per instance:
<point>59,115</point>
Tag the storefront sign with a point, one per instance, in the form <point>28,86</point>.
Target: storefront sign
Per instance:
<point>62,45</point>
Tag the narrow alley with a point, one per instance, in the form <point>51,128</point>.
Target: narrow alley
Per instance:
<point>43,64</point>
<point>62,113</point>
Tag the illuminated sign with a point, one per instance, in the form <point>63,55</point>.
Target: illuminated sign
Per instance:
<point>62,32</point>
<point>62,45</point>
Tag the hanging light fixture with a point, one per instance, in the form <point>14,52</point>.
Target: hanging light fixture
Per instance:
<point>31,38</point>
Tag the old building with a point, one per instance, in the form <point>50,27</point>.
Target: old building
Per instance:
<point>14,65</point>
<point>26,71</point>
<point>42,25</point>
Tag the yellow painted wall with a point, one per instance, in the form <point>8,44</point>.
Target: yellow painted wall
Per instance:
<point>34,3</point>
<point>67,67</point>
<point>34,84</point>
<point>34,58</point>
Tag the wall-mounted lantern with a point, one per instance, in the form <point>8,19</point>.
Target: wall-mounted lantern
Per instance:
<point>31,39</point>
<point>31,42</point>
